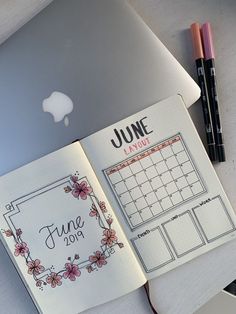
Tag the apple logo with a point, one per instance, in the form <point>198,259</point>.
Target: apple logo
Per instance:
<point>59,105</point>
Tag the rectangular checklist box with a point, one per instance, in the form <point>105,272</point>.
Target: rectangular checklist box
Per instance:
<point>155,181</point>
<point>214,229</point>
<point>153,256</point>
<point>183,234</point>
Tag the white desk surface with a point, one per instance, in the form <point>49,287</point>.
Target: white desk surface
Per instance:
<point>185,289</point>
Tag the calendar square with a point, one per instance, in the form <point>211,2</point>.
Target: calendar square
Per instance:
<point>181,183</point>
<point>186,193</point>
<point>161,167</point>
<point>146,214</point>
<point>136,193</point>
<point>156,183</point>
<point>130,208</point>
<point>176,198</point>
<point>166,152</point>
<point>136,219</point>
<point>177,147</point>
<point>196,188</point>
<point>125,172</point>
<point>176,172</point>
<point>151,172</point>
<point>191,177</point>
<point>182,157</point>
<point>146,162</point>
<point>166,178</point>
<point>146,188</point>
<point>135,167</point>
<point>166,203</point>
<point>130,183</point>
<point>156,209</point>
<point>141,177</point>
<point>115,177</point>
<point>187,167</point>
<point>171,188</point>
<point>120,187</point>
<point>161,193</point>
<point>171,162</point>
<point>141,203</point>
<point>156,157</point>
<point>151,198</point>
<point>125,198</point>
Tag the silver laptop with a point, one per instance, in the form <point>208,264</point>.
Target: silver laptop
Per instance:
<point>84,64</point>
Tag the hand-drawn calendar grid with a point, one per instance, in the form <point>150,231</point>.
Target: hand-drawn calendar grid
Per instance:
<point>155,181</point>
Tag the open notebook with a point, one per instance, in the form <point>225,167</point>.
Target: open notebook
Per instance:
<point>98,218</point>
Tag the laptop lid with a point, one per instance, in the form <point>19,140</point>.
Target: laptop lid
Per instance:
<point>101,55</point>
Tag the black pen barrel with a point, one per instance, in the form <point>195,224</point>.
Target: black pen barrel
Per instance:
<point>206,109</point>
<point>215,109</point>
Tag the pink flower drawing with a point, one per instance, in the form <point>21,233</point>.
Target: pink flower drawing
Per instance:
<point>8,233</point>
<point>93,211</point>
<point>109,221</point>
<point>67,189</point>
<point>110,237</point>
<point>18,232</point>
<point>99,258</point>
<point>74,178</point>
<point>54,280</point>
<point>39,283</point>
<point>21,249</point>
<point>102,205</point>
<point>34,267</point>
<point>72,271</point>
<point>89,268</point>
<point>81,190</point>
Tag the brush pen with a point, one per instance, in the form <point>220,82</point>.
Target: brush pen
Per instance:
<point>212,88</point>
<point>199,59</point>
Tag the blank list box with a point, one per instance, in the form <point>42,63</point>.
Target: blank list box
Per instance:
<point>171,162</point>
<point>166,152</point>
<point>183,234</point>
<point>211,227</point>
<point>135,219</point>
<point>151,172</point>
<point>130,208</point>
<point>135,193</point>
<point>120,188</point>
<point>146,162</point>
<point>182,157</point>
<point>125,172</point>
<point>196,188</point>
<point>130,183</point>
<point>177,172</point>
<point>136,167</point>
<point>141,177</point>
<point>146,214</point>
<point>156,157</point>
<point>153,250</point>
<point>156,208</point>
<point>125,198</point>
<point>177,147</point>
<point>115,177</point>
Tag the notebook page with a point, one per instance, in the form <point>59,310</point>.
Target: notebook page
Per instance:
<point>162,186</point>
<point>63,236</point>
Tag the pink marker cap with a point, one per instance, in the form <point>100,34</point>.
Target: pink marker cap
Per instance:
<point>207,41</point>
<point>197,41</point>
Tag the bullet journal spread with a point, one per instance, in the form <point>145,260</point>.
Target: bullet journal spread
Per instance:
<point>98,218</point>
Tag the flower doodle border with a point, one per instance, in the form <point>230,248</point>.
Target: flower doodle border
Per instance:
<point>80,189</point>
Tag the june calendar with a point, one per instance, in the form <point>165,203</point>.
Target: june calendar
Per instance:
<point>155,181</point>
<point>159,181</point>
